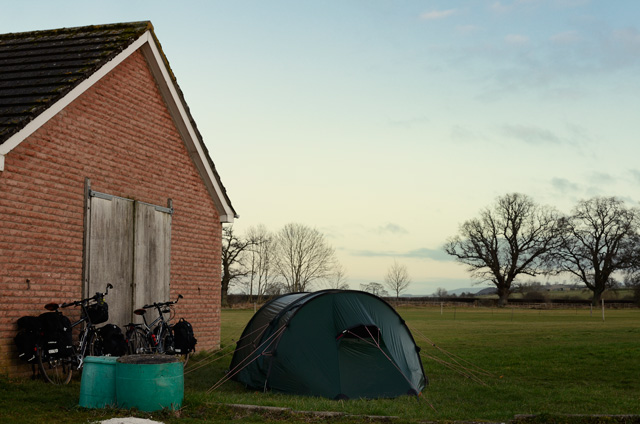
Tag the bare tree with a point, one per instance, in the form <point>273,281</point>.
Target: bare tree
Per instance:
<point>338,279</point>
<point>514,237</point>
<point>397,279</point>
<point>374,288</point>
<point>440,292</point>
<point>601,238</point>
<point>302,256</point>
<point>233,267</point>
<point>259,261</point>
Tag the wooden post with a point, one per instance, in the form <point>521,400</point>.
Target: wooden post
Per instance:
<point>441,307</point>
<point>602,309</point>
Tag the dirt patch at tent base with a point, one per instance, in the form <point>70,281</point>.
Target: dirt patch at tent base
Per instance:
<point>325,414</point>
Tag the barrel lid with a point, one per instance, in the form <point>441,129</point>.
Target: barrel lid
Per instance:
<point>148,359</point>
<point>101,359</point>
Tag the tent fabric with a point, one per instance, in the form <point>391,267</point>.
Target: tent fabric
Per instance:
<point>332,343</point>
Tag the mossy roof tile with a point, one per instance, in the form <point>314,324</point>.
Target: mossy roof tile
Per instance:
<point>38,68</point>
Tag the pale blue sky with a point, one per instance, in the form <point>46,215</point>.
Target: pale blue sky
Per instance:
<point>386,124</point>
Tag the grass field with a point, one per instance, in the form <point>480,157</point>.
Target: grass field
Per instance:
<point>516,362</point>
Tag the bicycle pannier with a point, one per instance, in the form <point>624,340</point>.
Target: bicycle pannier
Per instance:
<point>56,334</point>
<point>113,341</point>
<point>183,339</point>
<point>29,323</point>
<point>27,338</point>
<point>98,312</point>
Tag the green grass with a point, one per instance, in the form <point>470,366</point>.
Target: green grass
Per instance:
<point>548,363</point>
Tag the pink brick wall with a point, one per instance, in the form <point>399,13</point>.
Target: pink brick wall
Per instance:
<point>120,135</point>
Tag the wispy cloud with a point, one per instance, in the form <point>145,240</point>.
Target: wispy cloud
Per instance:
<point>564,186</point>
<point>437,14</point>
<point>391,228</point>
<point>530,134</point>
<point>635,174</point>
<point>422,253</point>
<point>601,178</point>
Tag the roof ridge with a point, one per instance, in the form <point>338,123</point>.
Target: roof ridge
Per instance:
<point>139,25</point>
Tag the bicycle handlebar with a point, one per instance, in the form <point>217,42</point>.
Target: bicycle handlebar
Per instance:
<point>161,304</point>
<point>95,297</point>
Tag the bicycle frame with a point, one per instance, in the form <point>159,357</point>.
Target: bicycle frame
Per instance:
<point>159,329</point>
<point>83,339</point>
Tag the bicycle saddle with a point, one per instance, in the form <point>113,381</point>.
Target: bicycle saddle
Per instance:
<point>51,306</point>
<point>140,311</point>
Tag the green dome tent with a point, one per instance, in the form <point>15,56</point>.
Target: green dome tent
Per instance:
<point>332,343</point>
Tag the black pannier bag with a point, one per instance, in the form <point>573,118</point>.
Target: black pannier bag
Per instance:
<point>27,338</point>
<point>27,345</point>
<point>98,312</point>
<point>183,339</point>
<point>113,341</point>
<point>56,334</point>
<point>29,323</point>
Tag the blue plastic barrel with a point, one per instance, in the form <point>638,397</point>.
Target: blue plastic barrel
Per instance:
<point>98,385</point>
<point>149,382</point>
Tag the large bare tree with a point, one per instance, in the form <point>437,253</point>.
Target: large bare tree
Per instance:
<point>233,266</point>
<point>515,236</point>
<point>302,256</point>
<point>601,238</point>
<point>397,279</point>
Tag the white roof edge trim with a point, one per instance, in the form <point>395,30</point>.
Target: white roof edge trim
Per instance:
<point>228,215</point>
<point>50,112</point>
<point>227,219</point>
<point>1,162</point>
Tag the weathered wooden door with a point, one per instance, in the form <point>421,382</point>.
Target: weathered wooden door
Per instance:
<point>128,244</point>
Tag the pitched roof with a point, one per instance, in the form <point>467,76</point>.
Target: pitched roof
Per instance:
<point>43,71</point>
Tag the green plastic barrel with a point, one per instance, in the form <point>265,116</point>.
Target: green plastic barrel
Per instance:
<point>149,382</point>
<point>98,385</point>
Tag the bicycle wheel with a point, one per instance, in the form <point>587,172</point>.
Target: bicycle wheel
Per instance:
<point>96,346</point>
<point>137,341</point>
<point>54,370</point>
<point>169,349</point>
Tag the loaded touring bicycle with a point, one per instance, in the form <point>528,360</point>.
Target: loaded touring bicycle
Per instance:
<point>46,340</point>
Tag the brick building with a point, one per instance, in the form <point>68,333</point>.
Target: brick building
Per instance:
<point>104,178</point>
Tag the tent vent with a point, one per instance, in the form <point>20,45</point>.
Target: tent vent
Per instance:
<point>365,332</point>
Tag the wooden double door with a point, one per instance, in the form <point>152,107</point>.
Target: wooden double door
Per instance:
<point>127,244</point>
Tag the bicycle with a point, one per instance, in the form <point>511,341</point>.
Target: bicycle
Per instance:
<point>156,337</point>
<point>57,362</point>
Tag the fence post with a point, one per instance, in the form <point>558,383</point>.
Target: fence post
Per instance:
<point>602,309</point>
